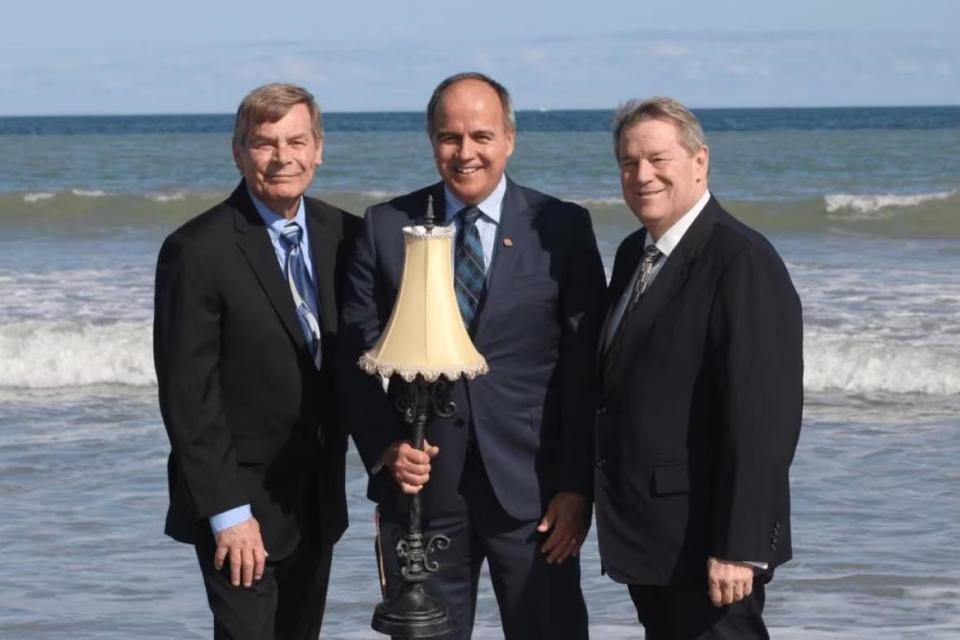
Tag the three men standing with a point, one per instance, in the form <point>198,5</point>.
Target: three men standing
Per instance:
<point>510,477</point>
<point>701,393</point>
<point>244,344</point>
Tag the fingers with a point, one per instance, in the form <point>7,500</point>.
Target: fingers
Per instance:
<point>728,582</point>
<point>716,597</point>
<point>411,467</point>
<point>219,556</point>
<point>566,531</point>
<point>559,547</point>
<point>236,563</point>
<point>241,547</point>
<point>259,562</point>
<point>547,521</point>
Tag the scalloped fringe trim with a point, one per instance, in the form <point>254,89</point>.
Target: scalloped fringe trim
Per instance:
<point>386,370</point>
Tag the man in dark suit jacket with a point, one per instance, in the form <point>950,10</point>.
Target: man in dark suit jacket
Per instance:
<point>245,377</point>
<point>701,393</point>
<point>511,474</point>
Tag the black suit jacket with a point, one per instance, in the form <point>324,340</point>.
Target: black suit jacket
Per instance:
<point>537,329</point>
<point>700,408</point>
<point>250,419</point>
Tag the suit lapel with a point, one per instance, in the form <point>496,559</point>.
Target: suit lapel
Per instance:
<point>633,330</point>
<point>513,225</point>
<point>325,230</point>
<point>254,242</point>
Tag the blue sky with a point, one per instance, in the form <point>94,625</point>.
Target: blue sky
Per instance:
<point>179,56</point>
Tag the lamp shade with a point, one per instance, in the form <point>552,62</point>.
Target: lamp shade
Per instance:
<point>425,334</point>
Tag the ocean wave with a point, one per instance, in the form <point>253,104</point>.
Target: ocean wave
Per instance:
<point>89,193</point>
<point>43,354</point>
<point>869,203</point>
<point>855,365</point>
<point>166,197</point>
<point>30,198</point>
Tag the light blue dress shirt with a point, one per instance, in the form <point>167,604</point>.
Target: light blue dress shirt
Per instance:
<point>275,224</point>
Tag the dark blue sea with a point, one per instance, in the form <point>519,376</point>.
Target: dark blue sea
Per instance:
<point>863,204</point>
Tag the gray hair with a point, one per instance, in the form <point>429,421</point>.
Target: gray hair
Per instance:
<point>689,131</point>
<point>270,103</point>
<point>509,119</point>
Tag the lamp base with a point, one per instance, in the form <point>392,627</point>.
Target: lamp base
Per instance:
<point>411,614</point>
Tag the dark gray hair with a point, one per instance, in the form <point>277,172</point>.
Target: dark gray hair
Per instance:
<point>270,103</point>
<point>689,131</point>
<point>509,119</point>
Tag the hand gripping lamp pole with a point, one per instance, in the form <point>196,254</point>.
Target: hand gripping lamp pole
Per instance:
<point>426,345</point>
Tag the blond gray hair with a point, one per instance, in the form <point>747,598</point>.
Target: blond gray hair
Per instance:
<point>689,131</point>
<point>270,103</point>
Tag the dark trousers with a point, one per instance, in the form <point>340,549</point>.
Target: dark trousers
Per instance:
<point>686,613</point>
<point>536,599</point>
<point>286,604</point>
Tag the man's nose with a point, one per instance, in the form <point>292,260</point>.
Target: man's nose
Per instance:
<point>467,148</point>
<point>643,172</point>
<point>281,153</point>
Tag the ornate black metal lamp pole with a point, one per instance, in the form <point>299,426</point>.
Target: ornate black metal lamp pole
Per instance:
<point>426,346</point>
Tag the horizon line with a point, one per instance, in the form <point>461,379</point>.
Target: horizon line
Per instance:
<point>531,110</point>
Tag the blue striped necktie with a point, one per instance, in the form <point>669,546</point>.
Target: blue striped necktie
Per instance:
<point>469,272</point>
<point>299,280</point>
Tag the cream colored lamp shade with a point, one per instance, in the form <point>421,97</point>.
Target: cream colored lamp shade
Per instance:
<point>425,335</point>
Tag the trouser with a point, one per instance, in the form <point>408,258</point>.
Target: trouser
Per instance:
<point>286,604</point>
<point>536,599</point>
<point>684,612</point>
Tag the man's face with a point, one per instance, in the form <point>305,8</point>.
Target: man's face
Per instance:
<point>471,140</point>
<point>660,179</point>
<point>279,158</point>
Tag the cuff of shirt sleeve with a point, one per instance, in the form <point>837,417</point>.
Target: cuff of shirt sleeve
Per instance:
<point>230,518</point>
<point>758,565</point>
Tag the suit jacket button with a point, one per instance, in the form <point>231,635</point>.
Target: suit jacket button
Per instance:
<point>601,463</point>
<point>773,546</point>
<point>602,411</point>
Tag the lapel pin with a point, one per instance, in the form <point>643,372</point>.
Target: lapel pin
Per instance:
<point>507,242</point>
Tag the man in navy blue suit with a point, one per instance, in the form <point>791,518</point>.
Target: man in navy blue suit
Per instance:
<point>510,476</point>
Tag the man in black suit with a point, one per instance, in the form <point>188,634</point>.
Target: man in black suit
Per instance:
<point>511,474</point>
<point>701,394</point>
<point>244,344</point>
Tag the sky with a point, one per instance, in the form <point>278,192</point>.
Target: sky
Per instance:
<point>202,56</point>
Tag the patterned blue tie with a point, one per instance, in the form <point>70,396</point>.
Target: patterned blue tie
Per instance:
<point>299,280</point>
<point>469,272</point>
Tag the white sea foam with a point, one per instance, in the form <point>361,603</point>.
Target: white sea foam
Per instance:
<point>856,365</point>
<point>44,354</point>
<point>31,198</point>
<point>870,203</point>
<point>166,197</point>
<point>88,193</point>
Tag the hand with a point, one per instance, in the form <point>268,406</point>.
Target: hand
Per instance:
<point>566,520</point>
<point>728,581</point>
<point>410,467</point>
<point>244,546</point>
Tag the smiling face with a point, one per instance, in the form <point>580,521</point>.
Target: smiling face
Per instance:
<point>661,180</point>
<point>278,159</point>
<point>471,140</point>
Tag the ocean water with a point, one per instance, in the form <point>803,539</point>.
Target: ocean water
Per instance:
<point>863,204</point>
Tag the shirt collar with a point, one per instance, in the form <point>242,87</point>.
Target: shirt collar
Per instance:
<point>672,236</point>
<point>274,221</point>
<point>491,206</point>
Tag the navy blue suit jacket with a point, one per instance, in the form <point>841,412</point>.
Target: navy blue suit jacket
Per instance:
<point>537,328</point>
